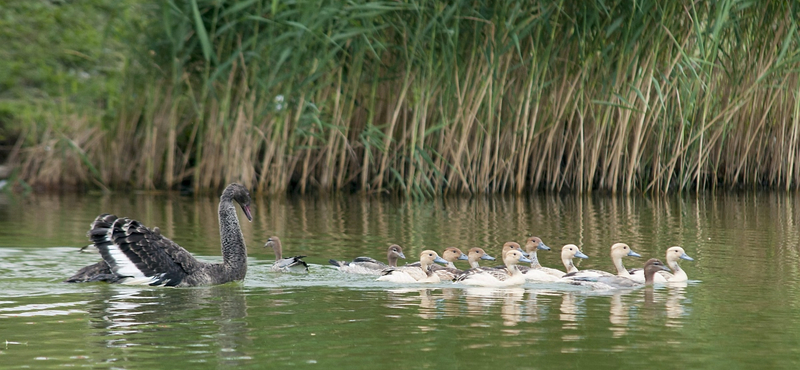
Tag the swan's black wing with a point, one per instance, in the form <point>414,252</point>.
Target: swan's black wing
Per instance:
<point>138,255</point>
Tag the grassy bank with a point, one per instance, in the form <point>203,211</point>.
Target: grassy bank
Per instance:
<point>425,97</point>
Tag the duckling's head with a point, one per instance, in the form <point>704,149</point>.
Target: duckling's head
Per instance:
<point>428,257</point>
<point>675,253</point>
<point>395,252</point>
<point>274,242</point>
<point>476,254</point>
<point>533,243</point>
<point>508,246</point>
<point>453,254</point>
<point>651,267</point>
<point>620,250</point>
<point>514,257</point>
<point>571,251</point>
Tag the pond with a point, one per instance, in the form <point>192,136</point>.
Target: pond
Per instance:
<point>740,308</point>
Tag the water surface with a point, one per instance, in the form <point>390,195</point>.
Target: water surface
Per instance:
<point>741,308</point>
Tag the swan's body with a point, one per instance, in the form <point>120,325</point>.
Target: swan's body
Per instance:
<point>449,271</point>
<point>135,255</point>
<point>421,273</point>
<point>618,251</point>
<point>291,264</point>
<point>497,277</point>
<point>651,267</point>
<point>476,254</point>
<point>368,265</point>
<point>678,275</point>
<point>537,272</point>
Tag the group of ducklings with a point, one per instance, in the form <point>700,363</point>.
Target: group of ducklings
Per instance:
<point>511,273</point>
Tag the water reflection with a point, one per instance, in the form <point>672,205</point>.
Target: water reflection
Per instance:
<point>674,304</point>
<point>130,317</point>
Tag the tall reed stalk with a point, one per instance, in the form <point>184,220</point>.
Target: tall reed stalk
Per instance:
<point>464,96</point>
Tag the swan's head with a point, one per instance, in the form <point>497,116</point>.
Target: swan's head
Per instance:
<point>240,194</point>
<point>571,251</point>
<point>675,253</point>
<point>395,251</point>
<point>509,246</point>
<point>620,250</point>
<point>533,243</point>
<point>453,254</point>
<point>476,254</point>
<point>514,257</point>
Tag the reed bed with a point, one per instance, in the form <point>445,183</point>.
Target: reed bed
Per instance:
<point>434,97</point>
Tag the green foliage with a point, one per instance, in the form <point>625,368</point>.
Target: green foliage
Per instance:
<point>420,97</point>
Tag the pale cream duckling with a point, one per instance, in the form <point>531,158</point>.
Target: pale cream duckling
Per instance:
<point>291,264</point>
<point>415,274</point>
<point>537,272</point>
<point>368,265</point>
<point>497,277</point>
<point>448,272</point>
<point>618,251</point>
<point>476,254</point>
<point>674,254</point>
<point>568,252</point>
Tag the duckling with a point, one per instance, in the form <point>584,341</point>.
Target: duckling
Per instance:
<point>291,264</point>
<point>537,272</point>
<point>508,276</point>
<point>507,246</point>
<point>448,272</point>
<point>368,265</point>
<point>651,267</point>
<point>678,275</point>
<point>476,254</point>
<point>415,274</point>
<point>568,252</point>
<point>618,251</point>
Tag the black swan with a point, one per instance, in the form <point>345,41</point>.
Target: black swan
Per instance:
<point>133,254</point>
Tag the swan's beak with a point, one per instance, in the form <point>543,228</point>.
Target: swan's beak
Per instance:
<point>686,257</point>
<point>246,210</point>
<point>580,254</point>
<point>524,260</point>
<point>633,254</point>
<point>543,247</point>
<point>463,257</point>
<point>401,255</point>
<point>487,257</point>
<point>524,254</point>
<point>440,260</point>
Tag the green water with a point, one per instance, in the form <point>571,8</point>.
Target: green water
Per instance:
<point>741,308</point>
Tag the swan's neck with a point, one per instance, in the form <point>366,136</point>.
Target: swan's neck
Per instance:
<point>278,253</point>
<point>513,270</point>
<point>392,260</point>
<point>474,264</point>
<point>234,252</point>
<point>568,266</point>
<point>534,259</point>
<point>451,265</point>
<point>621,271</point>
